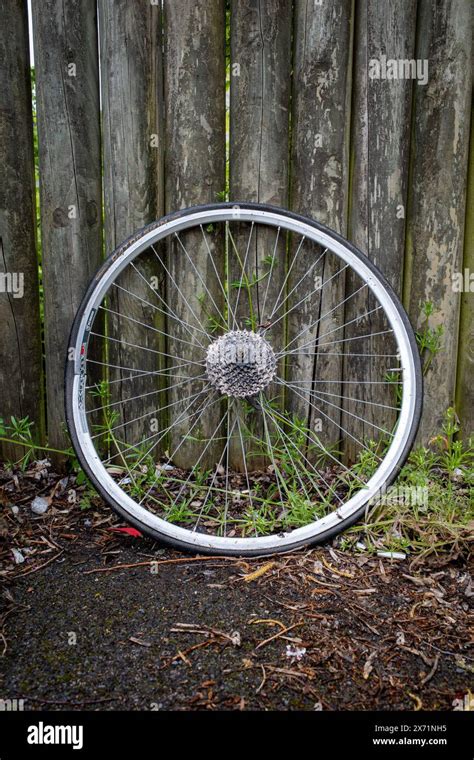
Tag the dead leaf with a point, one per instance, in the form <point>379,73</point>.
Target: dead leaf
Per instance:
<point>368,667</point>
<point>417,700</point>
<point>259,572</point>
<point>333,569</point>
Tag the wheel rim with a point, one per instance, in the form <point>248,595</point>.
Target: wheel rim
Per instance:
<point>263,369</point>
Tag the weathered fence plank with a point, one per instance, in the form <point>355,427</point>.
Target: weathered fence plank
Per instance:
<point>399,192</point>
<point>132,98</point>
<point>438,189</point>
<point>260,69</point>
<point>20,345</point>
<point>319,174</point>
<point>194,76</point>
<point>260,78</point>
<point>380,157</point>
<point>465,383</point>
<point>66,60</point>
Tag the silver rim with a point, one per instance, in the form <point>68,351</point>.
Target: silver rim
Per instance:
<point>280,224</point>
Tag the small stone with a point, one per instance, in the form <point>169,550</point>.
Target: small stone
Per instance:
<point>236,638</point>
<point>18,556</point>
<point>39,505</point>
<point>295,653</point>
<point>392,555</point>
<point>164,468</point>
<point>63,484</point>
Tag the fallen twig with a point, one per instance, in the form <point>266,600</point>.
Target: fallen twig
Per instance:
<point>277,635</point>
<point>433,670</point>
<point>181,561</point>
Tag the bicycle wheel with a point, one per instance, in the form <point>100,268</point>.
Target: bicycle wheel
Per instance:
<point>241,380</point>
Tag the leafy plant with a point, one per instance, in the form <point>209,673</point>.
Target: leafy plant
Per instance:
<point>429,338</point>
<point>442,520</point>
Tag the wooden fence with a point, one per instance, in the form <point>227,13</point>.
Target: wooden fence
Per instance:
<point>355,112</point>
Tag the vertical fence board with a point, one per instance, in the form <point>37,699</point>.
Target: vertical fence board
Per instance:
<point>381,134</point>
<point>465,384</point>
<point>380,143</point>
<point>259,167</point>
<point>259,101</point>
<point>20,346</point>
<point>438,187</point>
<point>66,60</point>
<point>321,111</point>
<point>194,76</point>
<point>132,97</point>
<point>141,143</point>
<point>321,105</point>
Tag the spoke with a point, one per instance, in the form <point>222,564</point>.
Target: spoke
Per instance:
<point>199,413</point>
<point>149,327</point>
<point>134,398</point>
<point>356,400</point>
<point>134,369</point>
<point>309,327</point>
<point>339,353</point>
<point>295,287</point>
<point>219,464</point>
<point>270,447</point>
<point>188,305</point>
<point>161,433</point>
<point>244,459</point>
<point>226,500</point>
<point>125,463</point>
<point>345,411</point>
<point>186,482</point>
<point>145,348</point>
<point>221,316</point>
<point>125,400</point>
<point>316,290</point>
<point>154,411</point>
<point>167,313</point>
<point>277,302</point>
<point>330,332</point>
<point>295,466</point>
<point>242,266</point>
<point>188,327</point>
<point>357,337</point>
<point>217,274</point>
<point>270,273</point>
<point>346,382</point>
<point>171,479</point>
<point>315,470</point>
<point>320,411</point>
<point>151,373</point>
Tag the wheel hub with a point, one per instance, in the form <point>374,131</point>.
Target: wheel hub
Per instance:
<point>240,363</point>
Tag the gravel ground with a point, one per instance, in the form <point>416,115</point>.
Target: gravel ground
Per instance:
<point>95,618</point>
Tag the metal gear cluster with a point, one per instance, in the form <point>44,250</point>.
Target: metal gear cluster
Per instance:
<point>240,363</point>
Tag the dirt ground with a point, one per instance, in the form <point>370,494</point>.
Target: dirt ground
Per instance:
<point>94,618</point>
